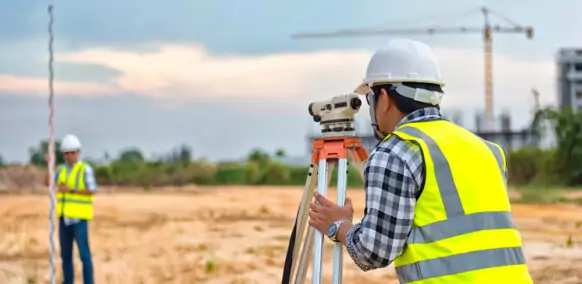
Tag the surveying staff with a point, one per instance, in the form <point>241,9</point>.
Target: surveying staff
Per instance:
<point>76,186</point>
<point>436,194</point>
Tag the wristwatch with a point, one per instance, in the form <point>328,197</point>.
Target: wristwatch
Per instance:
<point>334,229</point>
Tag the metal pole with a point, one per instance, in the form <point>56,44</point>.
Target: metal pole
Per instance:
<point>318,236</point>
<point>51,151</point>
<point>342,179</point>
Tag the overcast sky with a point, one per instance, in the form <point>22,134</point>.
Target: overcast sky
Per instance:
<point>225,77</point>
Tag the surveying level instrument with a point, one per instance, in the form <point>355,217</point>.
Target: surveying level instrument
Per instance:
<point>336,116</point>
<point>337,145</point>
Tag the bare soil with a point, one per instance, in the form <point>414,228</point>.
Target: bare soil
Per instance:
<point>231,235</point>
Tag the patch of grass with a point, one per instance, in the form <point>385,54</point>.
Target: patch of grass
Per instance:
<point>545,187</point>
<point>544,195</point>
<point>538,197</point>
<point>569,242</point>
<point>264,209</point>
<point>202,247</point>
<point>209,266</point>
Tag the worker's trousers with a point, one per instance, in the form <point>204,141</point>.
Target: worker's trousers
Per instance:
<point>78,233</point>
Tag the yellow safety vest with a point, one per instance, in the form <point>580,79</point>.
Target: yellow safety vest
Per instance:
<point>74,205</point>
<point>463,231</point>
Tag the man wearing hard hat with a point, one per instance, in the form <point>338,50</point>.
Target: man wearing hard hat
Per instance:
<point>437,203</point>
<point>76,187</point>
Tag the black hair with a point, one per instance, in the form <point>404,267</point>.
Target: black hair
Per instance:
<point>404,104</point>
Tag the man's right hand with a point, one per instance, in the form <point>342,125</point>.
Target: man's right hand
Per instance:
<point>63,188</point>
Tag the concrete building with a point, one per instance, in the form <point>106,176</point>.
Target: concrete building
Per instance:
<point>569,71</point>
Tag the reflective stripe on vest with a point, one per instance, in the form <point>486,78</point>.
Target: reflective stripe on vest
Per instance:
<point>420,264</point>
<point>74,205</point>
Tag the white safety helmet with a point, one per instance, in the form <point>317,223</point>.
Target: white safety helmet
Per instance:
<point>70,143</point>
<point>401,61</point>
<point>404,61</point>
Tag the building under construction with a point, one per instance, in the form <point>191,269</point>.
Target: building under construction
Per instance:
<point>569,69</point>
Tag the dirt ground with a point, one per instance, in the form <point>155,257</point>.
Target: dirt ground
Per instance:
<point>231,235</point>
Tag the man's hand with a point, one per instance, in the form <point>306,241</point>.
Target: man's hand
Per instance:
<point>322,215</point>
<point>63,188</point>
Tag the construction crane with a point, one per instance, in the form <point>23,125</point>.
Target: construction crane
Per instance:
<point>487,30</point>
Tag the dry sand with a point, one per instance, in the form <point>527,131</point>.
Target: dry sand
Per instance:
<point>231,235</point>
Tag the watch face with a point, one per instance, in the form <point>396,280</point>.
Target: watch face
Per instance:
<point>331,230</point>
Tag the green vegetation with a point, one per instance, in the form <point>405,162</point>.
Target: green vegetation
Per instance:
<point>179,167</point>
<point>535,171</point>
<point>558,166</point>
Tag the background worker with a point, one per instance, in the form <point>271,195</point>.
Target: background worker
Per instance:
<point>76,185</point>
<point>436,196</point>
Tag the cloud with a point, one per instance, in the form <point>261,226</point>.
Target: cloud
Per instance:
<point>282,84</point>
<point>181,71</point>
<point>177,72</point>
<point>39,87</point>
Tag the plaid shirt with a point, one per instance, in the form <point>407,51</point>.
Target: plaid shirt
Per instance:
<point>394,175</point>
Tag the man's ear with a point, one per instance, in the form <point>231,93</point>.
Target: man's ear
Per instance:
<point>384,101</point>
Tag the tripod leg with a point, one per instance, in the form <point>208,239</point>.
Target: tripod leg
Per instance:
<point>342,180</point>
<point>299,228</point>
<point>308,246</point>
<point>318,236</point>
<point>304,260</point>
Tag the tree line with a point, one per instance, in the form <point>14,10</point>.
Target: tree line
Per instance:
<point>180,167</point>
<point>560,165</point>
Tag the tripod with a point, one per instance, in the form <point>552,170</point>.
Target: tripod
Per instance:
<point>327,152</point>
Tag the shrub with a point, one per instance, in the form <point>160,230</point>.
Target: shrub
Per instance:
<point>276,174</point>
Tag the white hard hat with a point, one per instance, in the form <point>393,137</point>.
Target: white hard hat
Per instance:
<point>70,143</point>
<point>402,61</point>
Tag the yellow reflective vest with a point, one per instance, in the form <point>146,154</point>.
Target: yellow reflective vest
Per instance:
<point>74,205</point>
<point>463,231</point>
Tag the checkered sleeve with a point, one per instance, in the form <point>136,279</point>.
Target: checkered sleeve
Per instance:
<point>393,174</point>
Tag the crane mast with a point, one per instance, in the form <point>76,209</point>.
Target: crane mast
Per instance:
<point>488,63</point>
<point>487,30</point>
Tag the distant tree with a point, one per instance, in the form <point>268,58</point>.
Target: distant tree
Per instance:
<point>106,157</point>
<point>259,156</point>
<point>567,128</point>
<point>2,163</point>
<point>37,155</point>
<point>276,174</point>
<point>181,154</point>
<point>280,153</point>
<point>131,155</point>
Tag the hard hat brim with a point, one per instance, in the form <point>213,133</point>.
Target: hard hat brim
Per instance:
<point>364,87</point>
